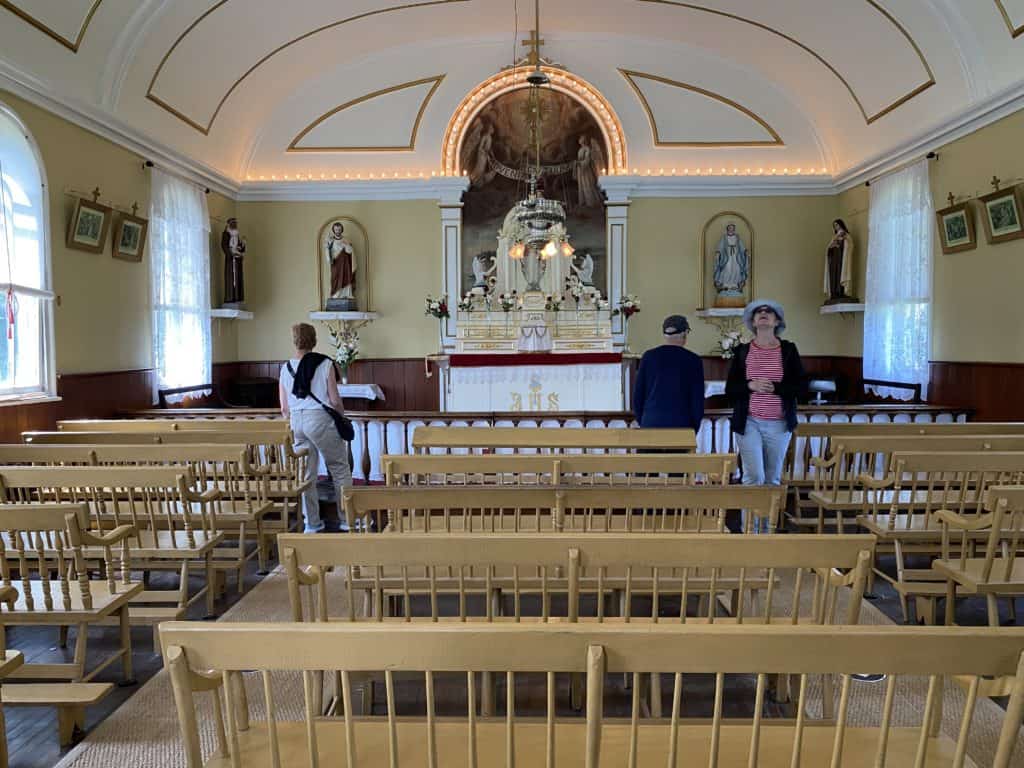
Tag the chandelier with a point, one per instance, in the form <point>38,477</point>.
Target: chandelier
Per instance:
<point>541,233</point>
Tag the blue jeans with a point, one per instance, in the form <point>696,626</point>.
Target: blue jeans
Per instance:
<point>762,451</point>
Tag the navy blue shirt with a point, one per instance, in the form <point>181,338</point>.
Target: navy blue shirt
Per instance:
<point>669,388</point>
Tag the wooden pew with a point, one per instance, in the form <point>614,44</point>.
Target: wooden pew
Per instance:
<point>559,469</point>
<point>871,455</point>
<point>445,439</point>
<point>900,510</point>
<point>997,572</point>
<point>9,661</point>
<point>52,541</point>
<point>498,569</point>
<point>174,523</point>
<point>177,425</point>
<point>241,509</point>
<point>596,739</point>
<point>483,509</point>
<point>814,440</point>
<point>272,455</point>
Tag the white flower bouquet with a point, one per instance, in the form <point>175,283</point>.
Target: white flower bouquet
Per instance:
<point>508,301</point>
<point>465,304</point>
<point>346,344</point>
<point>629,305</point>
<point>727,344</point>
<point>552,302</point>
<point>437,306</point>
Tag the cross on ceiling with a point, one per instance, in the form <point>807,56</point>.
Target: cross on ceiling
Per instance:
<point>534,43</point>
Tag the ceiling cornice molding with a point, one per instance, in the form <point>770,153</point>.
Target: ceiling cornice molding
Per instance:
<point>624,188</point>
<point>445,189</point>
<point>995,108</point>
<point>95,121</point>
<point>411,146</point>
<point>71,45</point>
<point>632,75</point>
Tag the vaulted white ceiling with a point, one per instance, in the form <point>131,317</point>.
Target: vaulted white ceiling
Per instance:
<point>244,89</point>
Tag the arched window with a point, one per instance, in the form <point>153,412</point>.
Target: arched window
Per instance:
<point>26,327</point>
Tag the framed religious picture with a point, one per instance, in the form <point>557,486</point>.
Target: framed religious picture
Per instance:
<point>1001,213</point>
<point>129,239</point>
<point>726,264</point>
<point>342,255</point>
<point>87,230</point>
<point>956,228</point>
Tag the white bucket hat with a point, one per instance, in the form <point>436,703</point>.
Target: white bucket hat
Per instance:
<point>774,306</point>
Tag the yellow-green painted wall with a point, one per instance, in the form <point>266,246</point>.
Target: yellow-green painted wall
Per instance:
<point>282,258</point>
<point>102,316</point>
<point>976,294</point>
<point>790,238</point>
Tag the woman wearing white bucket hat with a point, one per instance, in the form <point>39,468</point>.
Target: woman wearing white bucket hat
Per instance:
<point>765,379</point>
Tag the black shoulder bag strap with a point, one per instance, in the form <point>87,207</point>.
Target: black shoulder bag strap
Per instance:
<point>346,431</point>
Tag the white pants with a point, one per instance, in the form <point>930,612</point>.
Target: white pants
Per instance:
<point>314,430</point>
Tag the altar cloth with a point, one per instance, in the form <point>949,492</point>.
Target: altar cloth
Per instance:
<point>541,382</point>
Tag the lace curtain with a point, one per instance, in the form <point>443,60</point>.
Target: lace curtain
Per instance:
<point>898,296</point>
<point>179,247</point>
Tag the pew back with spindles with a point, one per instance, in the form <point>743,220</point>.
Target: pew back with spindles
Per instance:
<point>559,469</point>
<point>595,738</point>
<point>442,439</point>
<point>180,425</point>
<point>483,509</point>
<point>657,566</point>
<point>146,498</point>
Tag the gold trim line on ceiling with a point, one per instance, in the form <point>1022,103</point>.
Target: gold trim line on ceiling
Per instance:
<point>1015,32</point>
<point>71,45</point>
<point>629,74</point>
<point>436,80</point>
<point>205,129</point>
<point>869,119</point>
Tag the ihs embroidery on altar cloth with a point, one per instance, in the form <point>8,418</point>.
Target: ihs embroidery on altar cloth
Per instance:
<point>535,398</point>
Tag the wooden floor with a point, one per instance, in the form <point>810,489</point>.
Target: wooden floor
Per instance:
<point>32,732</point>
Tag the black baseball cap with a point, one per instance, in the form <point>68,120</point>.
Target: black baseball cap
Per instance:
<point>674,324</point>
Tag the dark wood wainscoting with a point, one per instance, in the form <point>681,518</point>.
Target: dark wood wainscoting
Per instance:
<point>83,396</point>
<point>994,390</point>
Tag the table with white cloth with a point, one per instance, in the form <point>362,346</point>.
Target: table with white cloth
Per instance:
<point>536,382</point>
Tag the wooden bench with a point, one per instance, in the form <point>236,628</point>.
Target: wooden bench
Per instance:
<point>243,504</point>
<point>853,456</point>
<point>554,439</point>
<point>482,509</point>
<point>9,661</point>
<point>51,541</point>
<point>534,733</point>
<point>997,572</point>
<point>900,510</point>
<point>559,469</point>
<point>70,700</point>
<point>174,524</point>
<point>177,425</point>
<point>271,454</point>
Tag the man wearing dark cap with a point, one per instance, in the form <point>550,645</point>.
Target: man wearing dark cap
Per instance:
<point>669,388</point>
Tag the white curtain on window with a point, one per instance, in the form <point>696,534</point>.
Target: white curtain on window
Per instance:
<point>179,247</point>
<point>898,296</point>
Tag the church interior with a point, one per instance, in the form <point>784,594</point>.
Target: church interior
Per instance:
<point>539,382</point>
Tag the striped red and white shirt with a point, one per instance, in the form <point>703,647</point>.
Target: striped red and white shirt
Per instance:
<point>765,364</point>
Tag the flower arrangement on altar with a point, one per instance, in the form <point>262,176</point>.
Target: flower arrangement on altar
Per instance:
<point>345,341</point>
<point>629,305</point>
<point>552,303</point>
<point>437,306</point>
<point>465,304</point>
<point>508,301</point>
<point>727,344</point>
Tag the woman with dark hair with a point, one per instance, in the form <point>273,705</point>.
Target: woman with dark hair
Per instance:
<point>839,265</point>
<point>765,378</point>
<point>308,384</point>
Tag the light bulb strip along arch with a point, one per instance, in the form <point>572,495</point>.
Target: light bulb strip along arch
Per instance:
<point>514,79</point>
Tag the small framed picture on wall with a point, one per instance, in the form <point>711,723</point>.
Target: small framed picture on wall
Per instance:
<point>1001,214</point>
<point>129,239</point>
<point>956,228</point>
<point>87,230</point>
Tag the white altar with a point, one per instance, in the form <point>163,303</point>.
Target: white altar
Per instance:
<point>525,382</point>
